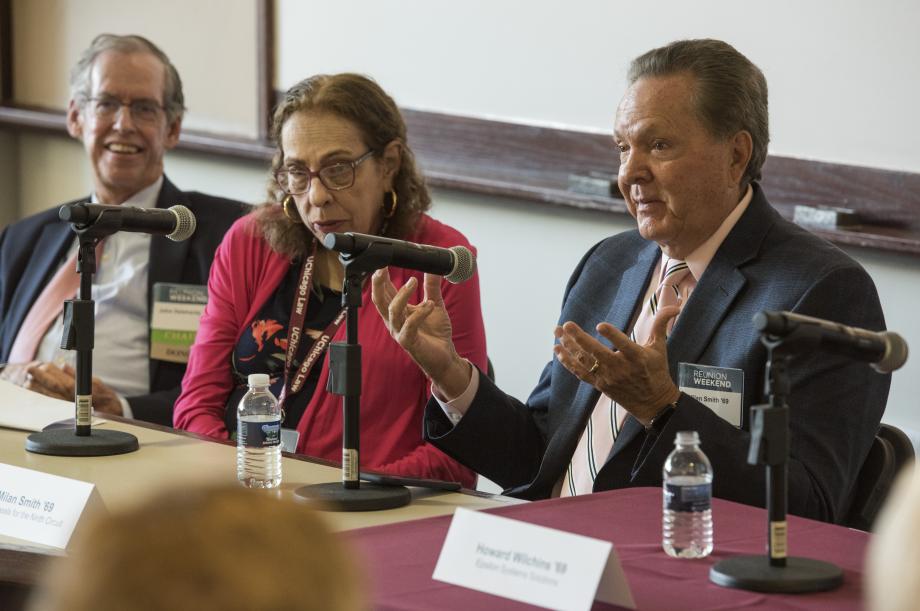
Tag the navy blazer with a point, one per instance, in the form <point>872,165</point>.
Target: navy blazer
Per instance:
<point>32,249</point>
<point>765,263</point>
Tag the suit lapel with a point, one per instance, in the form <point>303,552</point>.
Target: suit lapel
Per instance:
<point>700,318</point>
<point>632,287</point>
<point>167,258</point>
<point>628,299</point>
<point>712,298</point>
<point>49,248</point>
<point>720,285</point>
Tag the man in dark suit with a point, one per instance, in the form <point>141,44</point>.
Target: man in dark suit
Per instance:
<point>692,133</point>
<point>126,108</point>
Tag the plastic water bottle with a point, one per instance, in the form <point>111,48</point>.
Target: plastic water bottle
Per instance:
<point>687,499</point>
<point>258,436</point>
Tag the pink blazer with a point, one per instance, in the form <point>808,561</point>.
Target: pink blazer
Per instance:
<point>245,274</point>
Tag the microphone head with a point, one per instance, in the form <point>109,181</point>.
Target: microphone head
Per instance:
<point>464,265</point>
<point>72,213</point>
<point>185,224</point>
<point>339,242</point>
<point>895,353</point>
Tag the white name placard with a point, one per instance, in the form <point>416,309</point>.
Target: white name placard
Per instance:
<point>529,563</point>
<point>39,507</point>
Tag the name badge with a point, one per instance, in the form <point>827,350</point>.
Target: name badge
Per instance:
<point>721,389</point>
<point>532,564</point>
<point>177,309</point>
<point>289,438</point>
<point>42,508</point>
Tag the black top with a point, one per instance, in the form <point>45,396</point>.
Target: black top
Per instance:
<point>262,347</point>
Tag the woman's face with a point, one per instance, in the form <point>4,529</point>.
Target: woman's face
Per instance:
<point>314,140</point>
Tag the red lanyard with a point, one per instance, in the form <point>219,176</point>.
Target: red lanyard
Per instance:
<point>295,332</point>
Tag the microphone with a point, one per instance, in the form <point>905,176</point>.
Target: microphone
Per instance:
<point>885,350</point>
<point>457,264</point>
<point>176,223</point>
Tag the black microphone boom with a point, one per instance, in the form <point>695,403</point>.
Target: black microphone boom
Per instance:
<point>885,350</point>
<point>456,264</point>
<point>176,223</point>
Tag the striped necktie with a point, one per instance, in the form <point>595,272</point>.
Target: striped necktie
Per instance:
<point>606,421</point>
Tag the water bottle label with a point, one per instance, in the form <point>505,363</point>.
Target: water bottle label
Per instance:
<point>688,498</point>
<point>259,434</point>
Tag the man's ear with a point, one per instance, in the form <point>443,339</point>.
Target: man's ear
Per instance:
<point>172,133</point>
<point>742,150</point>
<point>74,120</point>
<point>392,159</point>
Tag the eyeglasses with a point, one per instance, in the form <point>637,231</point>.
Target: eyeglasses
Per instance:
<point>335,177</point>
<point>142,111</point>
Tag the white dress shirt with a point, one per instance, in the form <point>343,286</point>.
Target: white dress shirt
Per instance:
<point>121,357</point>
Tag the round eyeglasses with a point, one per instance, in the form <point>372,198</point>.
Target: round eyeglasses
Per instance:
<point>335,176</point>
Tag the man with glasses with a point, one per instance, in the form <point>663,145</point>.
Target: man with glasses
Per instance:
<point>126,108</point>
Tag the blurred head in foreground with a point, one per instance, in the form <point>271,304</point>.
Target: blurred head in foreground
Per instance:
<point>893,557</point>
<point>224,549</point>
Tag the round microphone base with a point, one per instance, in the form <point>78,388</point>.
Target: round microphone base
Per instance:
<point>63,442</point>
<point>369,497</point>
<point>755,573</point>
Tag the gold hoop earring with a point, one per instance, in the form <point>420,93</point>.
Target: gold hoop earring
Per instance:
<point>389,211</point>
<point>294,218</point>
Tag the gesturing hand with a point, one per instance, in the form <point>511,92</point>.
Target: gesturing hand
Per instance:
<point>635,376</point>
<point>423,330</point>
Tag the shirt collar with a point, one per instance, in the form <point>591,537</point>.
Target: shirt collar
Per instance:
<point>699,259</point>
<point>145,198</point>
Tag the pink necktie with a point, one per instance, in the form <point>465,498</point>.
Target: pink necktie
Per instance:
<point>674,287</point>
<point>47,308</point>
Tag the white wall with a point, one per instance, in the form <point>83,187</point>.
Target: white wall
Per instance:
<point>526,253</point>
<point>842,73</point>
<point>898,280</point>
<point>215,56</point>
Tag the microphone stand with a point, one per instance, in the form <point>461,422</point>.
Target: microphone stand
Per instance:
<point>79,335</point>
<point>345,379</point>
<point>776,572</point>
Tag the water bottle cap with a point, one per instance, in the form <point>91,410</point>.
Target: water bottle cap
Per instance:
<point>258,379</point>
<point>686,438</point>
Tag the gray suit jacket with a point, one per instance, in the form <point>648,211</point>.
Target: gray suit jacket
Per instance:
<point>765,263</point>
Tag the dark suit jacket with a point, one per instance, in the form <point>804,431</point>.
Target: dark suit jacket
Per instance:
<point>32,249</point>
<point>765,263</point>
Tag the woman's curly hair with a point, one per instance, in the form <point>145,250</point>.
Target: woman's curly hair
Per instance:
<point>361,101</point>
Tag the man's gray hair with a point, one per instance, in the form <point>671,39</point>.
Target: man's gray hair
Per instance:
<point>173,100</point>
<point>731,92</point>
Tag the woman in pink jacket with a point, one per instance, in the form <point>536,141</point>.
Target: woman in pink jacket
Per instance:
<point>342,165</point>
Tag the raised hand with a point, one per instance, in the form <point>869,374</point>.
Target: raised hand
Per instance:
<point>423,329</point>
<point>635,376</point>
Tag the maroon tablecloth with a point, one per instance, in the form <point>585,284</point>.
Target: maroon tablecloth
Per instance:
<point>400,558</point>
